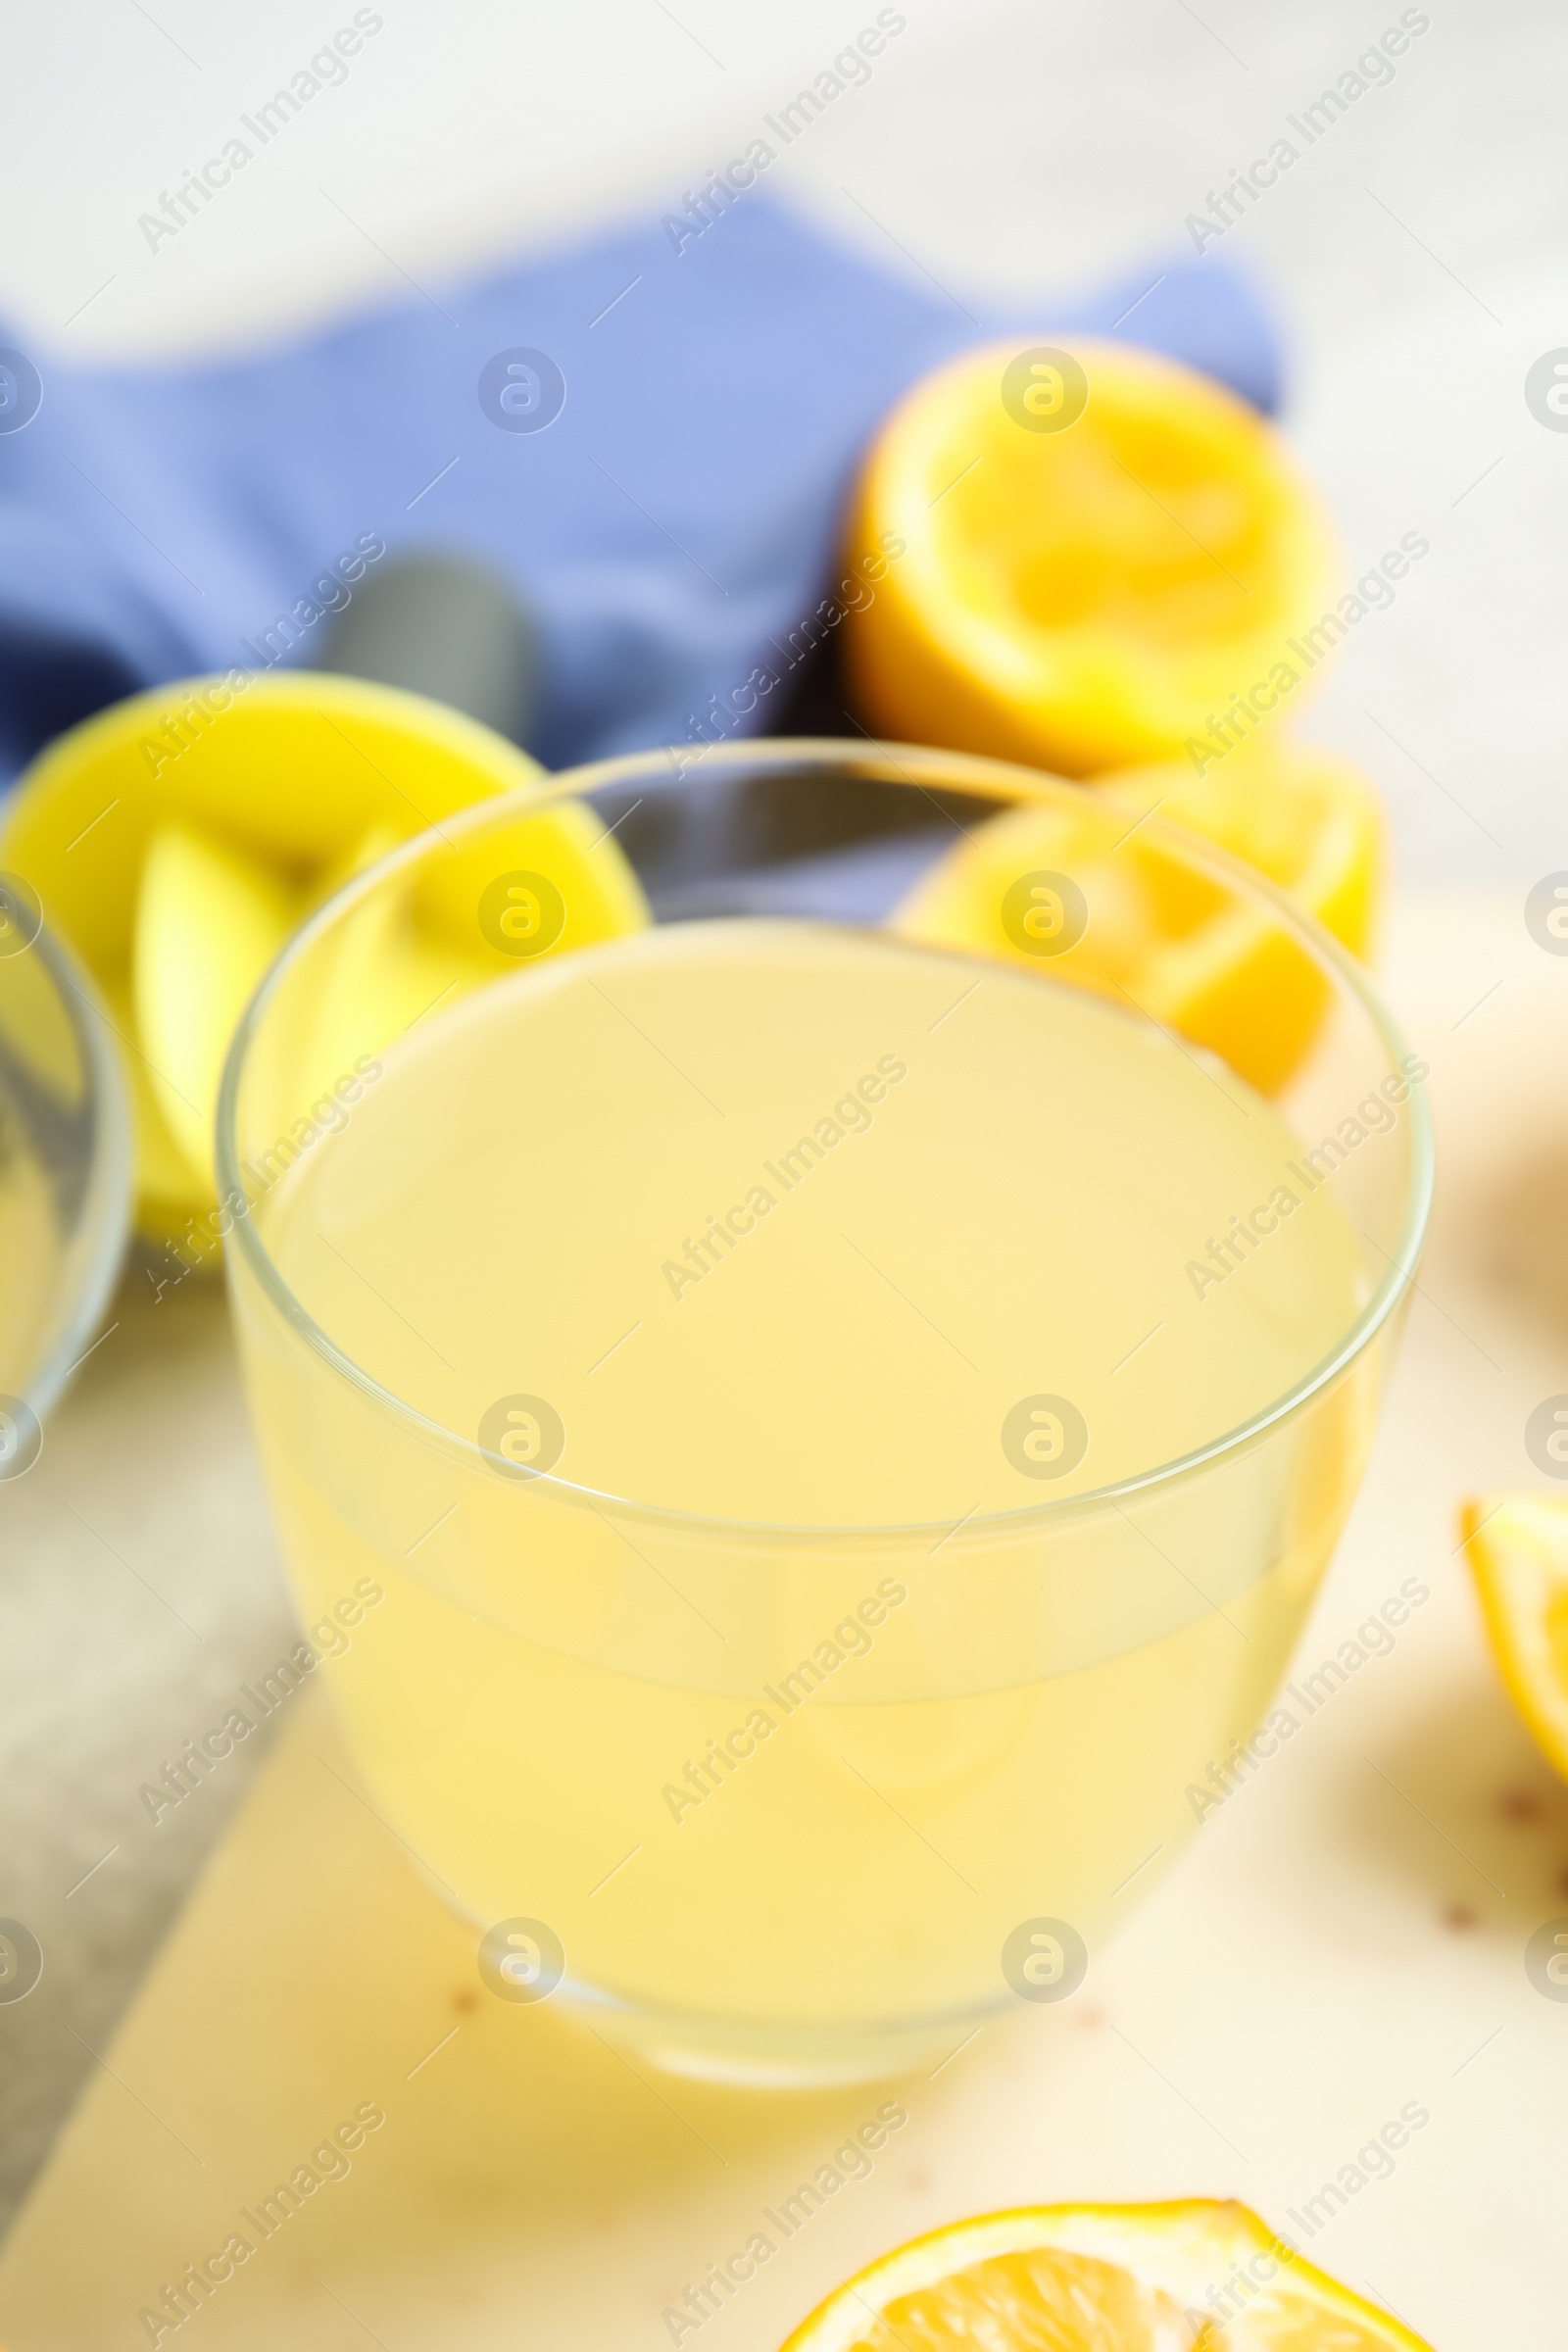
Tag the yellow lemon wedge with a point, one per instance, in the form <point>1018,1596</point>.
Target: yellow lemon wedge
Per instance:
<point>373,843</point>
<point>542,885</point>
<point>165,1183</point>
<point>1517,1546</point>
<point>175,839</point>
<point>1082,569</point>
<point>536,885</point>
<point>1192,953</point>
<point>1307,818</point>
<point>1198,2276</point>
<point>209,922</point>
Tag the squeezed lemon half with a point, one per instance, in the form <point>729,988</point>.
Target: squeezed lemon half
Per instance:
<point>177,839</point>
<point>1198,2276</point>
<point>1087,584</point>
<point>1193,955</point>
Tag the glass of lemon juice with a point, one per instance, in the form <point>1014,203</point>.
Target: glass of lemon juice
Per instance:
<point>837,1296</point>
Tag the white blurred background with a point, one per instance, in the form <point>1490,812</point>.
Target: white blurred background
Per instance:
<point>1415,255</point>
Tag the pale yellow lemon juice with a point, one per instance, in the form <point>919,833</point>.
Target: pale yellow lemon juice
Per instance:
<point>775,1223</point>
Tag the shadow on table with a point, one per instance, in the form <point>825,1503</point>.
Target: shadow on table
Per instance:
<point>1461,1804</point>
<point>1517,1232</point>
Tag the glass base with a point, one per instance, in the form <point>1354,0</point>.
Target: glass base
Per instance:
<point>786,2056</point>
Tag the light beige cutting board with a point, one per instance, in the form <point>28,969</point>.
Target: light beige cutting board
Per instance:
<point>1343,1940</point>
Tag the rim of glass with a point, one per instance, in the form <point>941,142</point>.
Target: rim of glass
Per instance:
<point>106,1200</point>
<point>918,765</point>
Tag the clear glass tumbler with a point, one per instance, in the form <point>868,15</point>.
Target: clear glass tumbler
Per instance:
<point>813,1314</point>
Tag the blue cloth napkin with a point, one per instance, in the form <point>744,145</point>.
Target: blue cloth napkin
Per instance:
<point>652,442</point>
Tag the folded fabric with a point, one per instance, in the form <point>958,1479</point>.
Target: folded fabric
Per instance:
<point>650,438</point>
